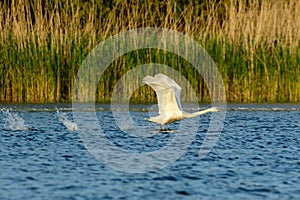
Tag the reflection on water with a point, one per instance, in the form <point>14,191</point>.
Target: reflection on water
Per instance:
<point>257,156</point>
<point>64,107</point>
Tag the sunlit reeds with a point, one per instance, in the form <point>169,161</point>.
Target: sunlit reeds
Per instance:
<point>255,45</point>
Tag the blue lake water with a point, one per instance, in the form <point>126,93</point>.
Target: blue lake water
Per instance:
<point>257,156</point>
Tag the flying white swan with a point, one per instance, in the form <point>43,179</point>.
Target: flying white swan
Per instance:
<point>168,98</point>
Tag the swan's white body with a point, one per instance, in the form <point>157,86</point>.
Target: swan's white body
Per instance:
<point>168,98</point>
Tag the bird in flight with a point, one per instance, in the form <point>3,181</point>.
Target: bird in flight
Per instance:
<point>168,98</point>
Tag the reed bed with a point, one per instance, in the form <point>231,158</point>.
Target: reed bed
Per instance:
<point>255,45</point>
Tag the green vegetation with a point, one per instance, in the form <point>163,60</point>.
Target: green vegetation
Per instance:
<point>255,45</point>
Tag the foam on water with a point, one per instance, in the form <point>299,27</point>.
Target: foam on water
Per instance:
<point>13,121</point>
<point>71,126</point>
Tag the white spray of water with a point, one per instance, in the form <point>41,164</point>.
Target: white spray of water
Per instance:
<point>13,121</point>
<point>71,126</point>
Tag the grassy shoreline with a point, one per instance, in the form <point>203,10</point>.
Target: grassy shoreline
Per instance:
<point>255,46</point>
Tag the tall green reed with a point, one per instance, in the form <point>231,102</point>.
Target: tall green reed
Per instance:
<point>255,45</point>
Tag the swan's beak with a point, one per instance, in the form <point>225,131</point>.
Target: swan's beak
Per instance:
<point>218,109</point>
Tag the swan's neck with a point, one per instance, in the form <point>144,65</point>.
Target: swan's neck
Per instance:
<point>190,115</point>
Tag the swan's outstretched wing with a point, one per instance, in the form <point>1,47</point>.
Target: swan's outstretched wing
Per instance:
<point>167,92</point>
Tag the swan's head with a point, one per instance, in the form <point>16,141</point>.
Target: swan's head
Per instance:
<point>214,109</point>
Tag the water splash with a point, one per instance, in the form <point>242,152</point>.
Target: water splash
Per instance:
<point>13,121</point>
<point>124,126</point>
<point>71,126</point>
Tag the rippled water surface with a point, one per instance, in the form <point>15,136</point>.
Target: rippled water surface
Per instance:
<point>257,156</point>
